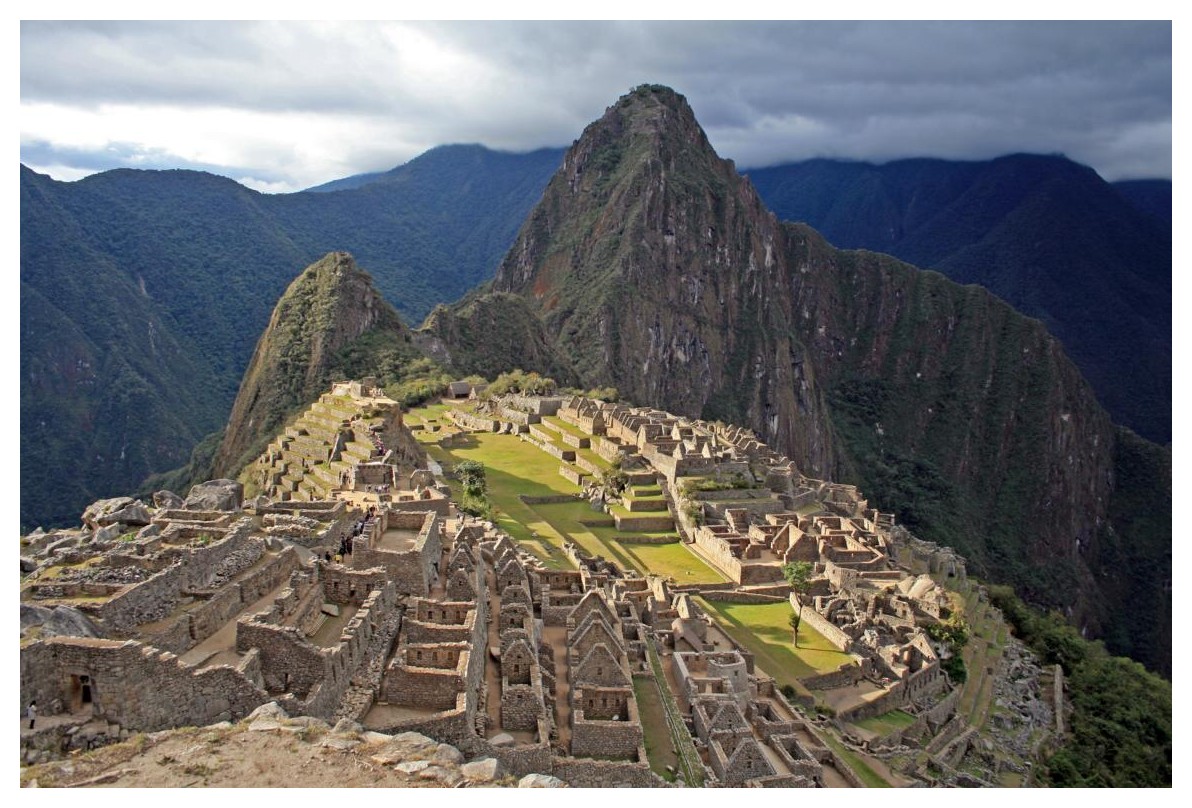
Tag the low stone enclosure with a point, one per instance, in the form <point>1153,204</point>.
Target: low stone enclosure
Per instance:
<point>430,621</point>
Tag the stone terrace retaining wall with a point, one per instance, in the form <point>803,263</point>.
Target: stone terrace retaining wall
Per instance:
<point>740,597</point>
<point>718,553</point>
<point>554,499</point>
<point>467,420</point>
<point>156,597</point>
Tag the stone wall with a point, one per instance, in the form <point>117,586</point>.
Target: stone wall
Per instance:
<point>430,688</point>
<point>521,706</point>
<point>318,677</point>
<point>289,662</point>
<point>608,449</point>
<point>263,580</point>
<point>587,465</point>
<point>797,758</point>
<point>430,685</point>
<point>156,597</point>
<point>606,773</point>
<point>454,726</point>
<point>575,441</point>
<point>136,686</point>
<point>741,597</point>
<point>553,499</point>
<point>604,738</point>
<point>413,570</point>
<point>215,612</point>
<point>718,553</point>
<point>830,631</point>
<point>644,523</point>
<point>175,637</point>
<point>637,538</point>
<point>517,760</point>
<point>345,586</point>
<point>436,504</point>
<point>846,675</point>
<point>467,420</point>
<point>518,417</point>
<point>572,475</point>
<point>539,405</point>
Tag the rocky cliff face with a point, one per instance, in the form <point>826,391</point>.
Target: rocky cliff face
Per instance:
<point>1091,260</point>
<point>656,269</point>
<point>328,310</point>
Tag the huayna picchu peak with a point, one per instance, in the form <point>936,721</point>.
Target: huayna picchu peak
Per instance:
<point>683,495</point>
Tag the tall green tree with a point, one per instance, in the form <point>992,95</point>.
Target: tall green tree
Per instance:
<point>471,474</point>
<point>798,575</point>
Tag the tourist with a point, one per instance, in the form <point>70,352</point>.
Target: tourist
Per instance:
<point>32,712</point>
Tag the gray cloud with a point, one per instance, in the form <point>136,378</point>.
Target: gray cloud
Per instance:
<point>341,98</point>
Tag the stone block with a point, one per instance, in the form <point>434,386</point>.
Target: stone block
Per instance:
<point>484,770</point>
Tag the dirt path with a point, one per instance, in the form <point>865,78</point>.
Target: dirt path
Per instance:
<point>492,668</point>
<point>556,637</point>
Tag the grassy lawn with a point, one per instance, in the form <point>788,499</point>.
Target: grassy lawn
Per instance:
<point>505,459</point>
<point>673,560</point>
<point>514,468</point>
<point>764,630</point>
<point>563,426</point>
<point>886,723</point>
<point>868,776</point>
<point>660,747</point>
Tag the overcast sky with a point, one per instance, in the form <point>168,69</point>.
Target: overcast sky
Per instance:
<point>283,106</point>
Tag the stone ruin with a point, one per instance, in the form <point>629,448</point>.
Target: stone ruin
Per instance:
<point>390,608</point>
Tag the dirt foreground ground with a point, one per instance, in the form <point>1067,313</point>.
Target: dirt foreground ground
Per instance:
<point>272,752</point>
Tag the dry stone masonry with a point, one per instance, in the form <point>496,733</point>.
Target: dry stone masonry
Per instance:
<point>349,588</point>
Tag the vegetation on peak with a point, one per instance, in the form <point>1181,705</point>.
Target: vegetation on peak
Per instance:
<point>490,333</point>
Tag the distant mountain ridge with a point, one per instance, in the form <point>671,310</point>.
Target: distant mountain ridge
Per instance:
<point>196,261</point>
<point>447,160</point>
<point>1090,259</point>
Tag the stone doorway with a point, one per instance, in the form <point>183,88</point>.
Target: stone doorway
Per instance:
<point>82,693</point>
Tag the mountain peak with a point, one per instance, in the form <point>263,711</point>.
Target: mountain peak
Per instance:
<point>330,306</point>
